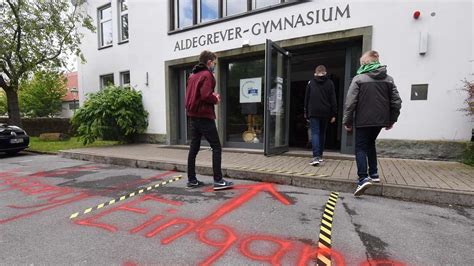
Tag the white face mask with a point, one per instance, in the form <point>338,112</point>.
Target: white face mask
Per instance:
<point>320,74</point>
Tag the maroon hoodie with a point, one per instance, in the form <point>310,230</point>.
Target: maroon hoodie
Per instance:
<point>200,99</point>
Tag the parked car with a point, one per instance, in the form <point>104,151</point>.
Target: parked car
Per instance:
<point>13,139</point>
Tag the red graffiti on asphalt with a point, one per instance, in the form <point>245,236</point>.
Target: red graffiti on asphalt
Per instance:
<point>51,196</point>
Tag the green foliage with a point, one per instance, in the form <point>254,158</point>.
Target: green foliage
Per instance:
<point>41,96</point>
<point>114,113</point>
<point>3,103</point>
<point>468,157</point>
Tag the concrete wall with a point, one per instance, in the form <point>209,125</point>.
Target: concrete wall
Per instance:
<point>395,35</point>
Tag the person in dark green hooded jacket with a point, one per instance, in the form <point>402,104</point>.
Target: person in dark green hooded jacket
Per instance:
<point>372,103</point>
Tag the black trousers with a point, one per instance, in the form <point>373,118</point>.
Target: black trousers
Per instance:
<point>204,127</point>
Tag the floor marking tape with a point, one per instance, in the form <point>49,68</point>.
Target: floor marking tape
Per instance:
<point>124,197</point>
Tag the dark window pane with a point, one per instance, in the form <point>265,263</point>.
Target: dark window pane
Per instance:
<point>106,80</point>
<point>125,78</point>
<point>264,3</point>
<point>185,13</point>
<point>125,27</point>
<point>209,10</point>
<point>235,7</point>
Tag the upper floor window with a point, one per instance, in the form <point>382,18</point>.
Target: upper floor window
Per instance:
<point>105,26</point>
<point>209,10</point>
<point>233,7</point>
<point>186,13</point>
<point>123,20</point>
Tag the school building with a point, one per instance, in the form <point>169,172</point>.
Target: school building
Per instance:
<point>268,50</point>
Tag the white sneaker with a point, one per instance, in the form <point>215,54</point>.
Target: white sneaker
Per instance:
<point>314,162</point>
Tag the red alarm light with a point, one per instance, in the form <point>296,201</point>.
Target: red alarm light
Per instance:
<point>416,15</point>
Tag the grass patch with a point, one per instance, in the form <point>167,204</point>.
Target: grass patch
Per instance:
<point>54,146</point>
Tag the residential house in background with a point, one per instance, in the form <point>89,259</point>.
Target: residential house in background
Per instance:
<point>71,99</point>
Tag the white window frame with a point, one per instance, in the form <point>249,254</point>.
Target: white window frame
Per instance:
<point>122,83</point>
<point>120,15</point>
<point>101,21</point>
<point>101,78</point>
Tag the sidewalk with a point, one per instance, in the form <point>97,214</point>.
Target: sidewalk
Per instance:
<point>416,180</point>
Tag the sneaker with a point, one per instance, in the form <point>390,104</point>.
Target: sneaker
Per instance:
<point>194,184</point>
<point>375,179</point>
<point>363,185</point>
<point>314,162</point>
<point>223,184</point>
<point>321,160</point>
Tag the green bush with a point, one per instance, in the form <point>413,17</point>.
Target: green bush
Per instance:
<point>3,102</point>
<point>113,113</point>
<point>468,157</point>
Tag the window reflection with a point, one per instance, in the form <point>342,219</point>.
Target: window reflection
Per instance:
<point>244,101</point>
<point>235,7</point>
<point>209,10</point>
<point>185,12</point>
<point>264,3</point>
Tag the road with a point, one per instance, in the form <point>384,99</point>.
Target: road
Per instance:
<point>252,224</point>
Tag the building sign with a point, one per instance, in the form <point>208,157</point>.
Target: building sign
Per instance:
<point>312,17</point>
<point>251,90</point>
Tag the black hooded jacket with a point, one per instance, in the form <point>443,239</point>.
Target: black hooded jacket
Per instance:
<point>320,98</point>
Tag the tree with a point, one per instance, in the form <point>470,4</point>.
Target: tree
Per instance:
<point>36,35</point>
<point>42,95</point>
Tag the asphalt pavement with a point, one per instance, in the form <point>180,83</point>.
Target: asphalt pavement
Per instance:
<point>255,223</point>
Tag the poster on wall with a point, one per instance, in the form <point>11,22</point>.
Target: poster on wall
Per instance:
<point>251,90</point>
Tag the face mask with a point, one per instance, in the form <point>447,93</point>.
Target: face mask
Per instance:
<point>212,68</point>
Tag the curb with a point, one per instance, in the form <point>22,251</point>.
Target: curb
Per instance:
<point>409,193</point>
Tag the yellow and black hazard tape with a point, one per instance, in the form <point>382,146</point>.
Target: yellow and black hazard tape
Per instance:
<point>324,258</point>
<point>278,171</point>
<point>124,197</point>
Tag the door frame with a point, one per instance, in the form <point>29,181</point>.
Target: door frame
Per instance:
<point>269,47</point>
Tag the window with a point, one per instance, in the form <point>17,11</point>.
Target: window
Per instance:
<point>105,26</point>
<point>264,3</point>
<point>106,80</point>
<point>123,20</point>
<point>186,13</point>
<point>209,10</point>
<point>235,7</point>
<point>74,105</point>
<point>125,79</point>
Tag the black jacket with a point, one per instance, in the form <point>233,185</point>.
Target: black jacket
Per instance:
<point>374,98</point>
<point>320,98</point>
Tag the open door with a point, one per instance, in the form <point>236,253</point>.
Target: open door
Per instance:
<point>277,99</point>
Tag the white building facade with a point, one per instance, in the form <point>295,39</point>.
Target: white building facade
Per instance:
<point>152,45</point>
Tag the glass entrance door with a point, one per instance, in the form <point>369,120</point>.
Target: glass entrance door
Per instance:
<point>277,99</point>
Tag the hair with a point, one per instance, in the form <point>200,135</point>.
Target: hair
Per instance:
<point>206,56</point>
<point>369,57</point>
<point>320,70</point>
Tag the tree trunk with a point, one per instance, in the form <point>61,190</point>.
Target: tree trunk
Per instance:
<point>13,107</point>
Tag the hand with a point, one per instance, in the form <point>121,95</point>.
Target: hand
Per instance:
<point>218,96</point>
<point>348,128</point>
<point>389,127</point>
<point>333,120</point>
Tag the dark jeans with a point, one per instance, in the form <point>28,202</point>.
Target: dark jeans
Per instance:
<point>207,128</point>
<point>365,150</point>
<point>318,135</point>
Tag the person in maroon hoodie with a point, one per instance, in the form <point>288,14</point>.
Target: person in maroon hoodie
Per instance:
<point>200,101</point>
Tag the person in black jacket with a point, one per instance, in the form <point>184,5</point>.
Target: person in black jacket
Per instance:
<point>320,107</point>
<point>374,99</point>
